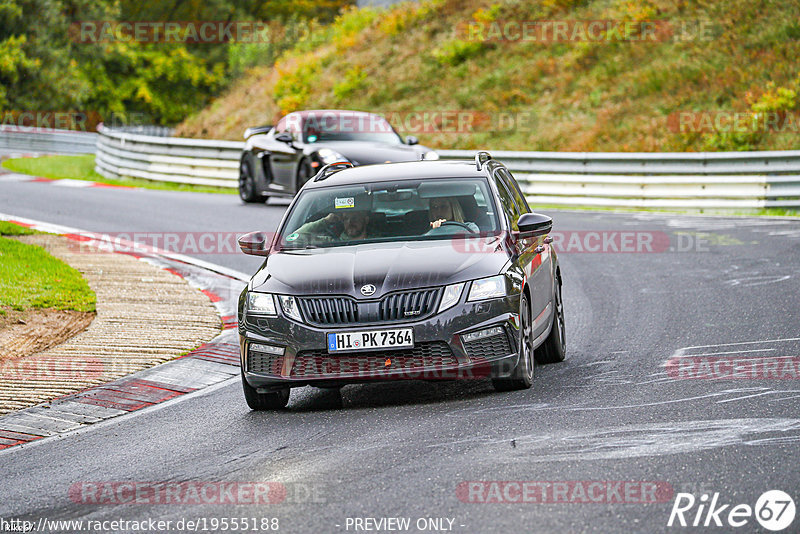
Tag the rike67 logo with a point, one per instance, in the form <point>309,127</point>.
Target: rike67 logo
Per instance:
<point>774,510</point>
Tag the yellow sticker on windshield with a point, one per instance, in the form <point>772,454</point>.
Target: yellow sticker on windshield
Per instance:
<point>346,202</point>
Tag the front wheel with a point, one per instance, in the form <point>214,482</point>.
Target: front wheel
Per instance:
<point>247,182</point>
<point>304,173</point>
<point>264,401</point>
<point>554,348</point>
<point>522,376</point>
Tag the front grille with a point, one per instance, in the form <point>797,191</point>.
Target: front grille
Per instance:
<point>409,304</point>
<point>329,310</point>
<point>259,362</point>
<point>316,363</point>
<point>338,311</point>
<point>488,347</point>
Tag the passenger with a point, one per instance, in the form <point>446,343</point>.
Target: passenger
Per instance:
<point>443,209</point>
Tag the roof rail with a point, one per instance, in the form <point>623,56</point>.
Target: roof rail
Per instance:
<point>480,158</point>
<point>331,168</point>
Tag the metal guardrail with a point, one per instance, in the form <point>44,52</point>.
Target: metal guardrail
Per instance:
<point>167,159</point>
<point>636,180</point>
<point>47,140</point>
<point>655,180</point>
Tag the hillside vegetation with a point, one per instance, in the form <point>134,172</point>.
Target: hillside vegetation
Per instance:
<point>612,94</point>
<point>76,58</point>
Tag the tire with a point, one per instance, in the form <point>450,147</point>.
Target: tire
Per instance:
<point>264,401</point>
<point>247,182</point>
<point>522,376</point>
<point>554,348</point>
<point>304,174</point>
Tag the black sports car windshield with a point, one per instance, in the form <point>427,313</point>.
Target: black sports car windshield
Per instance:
<point>349,127</point>
<point>405,210</point>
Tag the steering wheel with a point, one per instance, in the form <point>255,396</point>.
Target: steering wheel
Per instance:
<point>448,227</point>
<point>332,231</point>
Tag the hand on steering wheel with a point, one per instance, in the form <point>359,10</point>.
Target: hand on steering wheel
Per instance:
<point>450,223</point>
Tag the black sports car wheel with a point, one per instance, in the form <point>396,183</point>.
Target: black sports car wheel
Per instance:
<point>554,348</point>
<point>304,173</point>
<point>522,376</point>
<point>247,181</point>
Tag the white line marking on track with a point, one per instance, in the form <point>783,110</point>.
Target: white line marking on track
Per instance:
<point>67,182</point>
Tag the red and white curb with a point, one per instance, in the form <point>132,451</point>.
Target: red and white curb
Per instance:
<point>63,182</point>
<point>17,155</point>
<point>210,364</point>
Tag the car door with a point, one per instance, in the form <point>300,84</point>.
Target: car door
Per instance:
<point>534,256</point>
<point>284,155</point>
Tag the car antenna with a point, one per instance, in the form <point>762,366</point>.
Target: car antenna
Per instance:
<point>331,168</point>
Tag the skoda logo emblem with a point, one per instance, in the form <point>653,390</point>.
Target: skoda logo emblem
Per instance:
<point>367,290</point>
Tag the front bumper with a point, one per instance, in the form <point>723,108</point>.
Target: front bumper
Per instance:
<point>439,351</point>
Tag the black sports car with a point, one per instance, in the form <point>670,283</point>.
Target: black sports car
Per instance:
<point>278,160</point>
<point>426,270</point>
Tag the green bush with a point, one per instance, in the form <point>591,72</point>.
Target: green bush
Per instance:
<point>354,80</point>
<point>456,51</point>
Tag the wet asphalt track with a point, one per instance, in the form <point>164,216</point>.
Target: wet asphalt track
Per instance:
<point>610,412</point>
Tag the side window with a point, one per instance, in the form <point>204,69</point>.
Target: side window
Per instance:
<point>509,206</point>
<point>513,187</point>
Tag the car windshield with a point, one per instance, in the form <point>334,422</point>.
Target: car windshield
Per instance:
<point>348,127</point>
<point>405,210</point>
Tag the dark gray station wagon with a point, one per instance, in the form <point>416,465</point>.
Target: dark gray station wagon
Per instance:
<point>430,270</point>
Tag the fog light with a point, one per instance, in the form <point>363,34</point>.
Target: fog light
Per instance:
<point>267,349</point>
<point>480,334</point>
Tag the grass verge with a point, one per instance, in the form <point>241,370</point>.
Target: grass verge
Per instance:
<point>32,278</point>
<point>81,167</point>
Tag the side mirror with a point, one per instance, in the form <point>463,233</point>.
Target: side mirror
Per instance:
<point>254,244</point>
<point>284,137</point>
<point>534,224</point>
<point>411,140</point>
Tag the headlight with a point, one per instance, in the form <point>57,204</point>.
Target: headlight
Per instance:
<point>451,296</point>
<point>289,306</point>
<point>430,155</point>
<point>488,288</point>
<point>330,156</point>
<point>261,303</point>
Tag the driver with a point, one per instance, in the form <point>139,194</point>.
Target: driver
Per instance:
<point>348,222</point>
<point>443,209</point>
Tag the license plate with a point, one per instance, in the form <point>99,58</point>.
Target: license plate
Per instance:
<point>396,338</point>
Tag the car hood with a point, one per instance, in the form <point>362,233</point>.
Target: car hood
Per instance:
<point>387,266</point>
<point>368,153</point>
